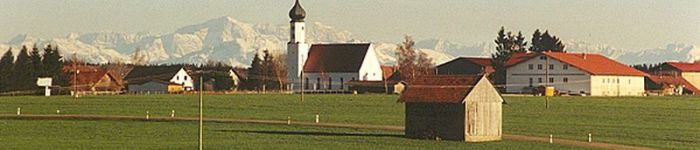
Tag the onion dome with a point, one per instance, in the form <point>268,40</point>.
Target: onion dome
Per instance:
<point>297,13</point>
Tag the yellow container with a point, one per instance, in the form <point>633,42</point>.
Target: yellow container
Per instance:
<point>549,91</point>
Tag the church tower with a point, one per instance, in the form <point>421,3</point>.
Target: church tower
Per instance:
<point>297,49</point>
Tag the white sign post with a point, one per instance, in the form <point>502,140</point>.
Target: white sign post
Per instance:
<point>46,83</point>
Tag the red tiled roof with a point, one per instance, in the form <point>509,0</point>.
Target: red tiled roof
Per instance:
<point>592,63</point>
<point>519,57</point>
<point>673,80</point>
<point>595,64</point>
<point>685,67</point>
<point>336,57</point>
<point>439,89</point>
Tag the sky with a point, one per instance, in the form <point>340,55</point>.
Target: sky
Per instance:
<point>627,24</point>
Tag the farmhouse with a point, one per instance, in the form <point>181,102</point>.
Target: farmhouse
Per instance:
<point>466,66</point>
<point>239,75</point>
<point>94,82</point>
<point>466,108</point>
<point>669,85</point>
<point>575,73</point>
<point>689,71</point>
<point>158,79</point>
<point>328,66</point>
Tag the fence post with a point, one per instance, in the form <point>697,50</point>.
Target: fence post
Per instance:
<point>147,115</point>
<point>316,118</point>
<point>589,138</point>
<point>19,111</point>
<point>550,139</point>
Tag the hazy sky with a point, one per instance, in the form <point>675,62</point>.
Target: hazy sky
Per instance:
<point>628,24</point>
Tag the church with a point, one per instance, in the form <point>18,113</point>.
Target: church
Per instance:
<point>326,67</point>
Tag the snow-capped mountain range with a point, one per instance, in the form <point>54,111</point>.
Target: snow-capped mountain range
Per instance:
<point>234,42</point>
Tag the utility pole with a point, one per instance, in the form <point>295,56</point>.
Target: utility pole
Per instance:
<point>201,131</point>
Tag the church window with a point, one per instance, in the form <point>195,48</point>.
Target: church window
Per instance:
<point>330,83</point>
<point>318,83</point>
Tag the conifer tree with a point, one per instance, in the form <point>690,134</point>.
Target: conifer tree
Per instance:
<point>7,68</point>
<point>506,45</point>
<point>255,73</point>
<point>24,68</point>
<point>546,42</point>
<point>53,65</point>
<point>37,64</point>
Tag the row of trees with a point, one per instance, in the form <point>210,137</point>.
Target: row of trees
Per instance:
<point>21,73</point>
<point>269,72</point>
<point>508,44</point>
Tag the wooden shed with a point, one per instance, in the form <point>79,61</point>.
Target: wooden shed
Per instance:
<point>465,108</point>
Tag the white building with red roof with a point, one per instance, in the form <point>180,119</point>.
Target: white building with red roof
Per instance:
<point>576,73</point>
<point>326,67</point>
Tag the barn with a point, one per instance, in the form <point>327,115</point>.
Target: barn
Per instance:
<point>451,107</point>
<point>466,66</point>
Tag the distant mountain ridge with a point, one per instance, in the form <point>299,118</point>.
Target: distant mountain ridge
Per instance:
<point>228,40</point>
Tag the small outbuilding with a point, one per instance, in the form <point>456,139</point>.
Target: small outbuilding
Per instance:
<point>451,107</point>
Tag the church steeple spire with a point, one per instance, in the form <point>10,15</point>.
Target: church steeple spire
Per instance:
<point>297,13</point>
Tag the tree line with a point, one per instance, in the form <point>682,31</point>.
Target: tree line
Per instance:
<point>21,74</point>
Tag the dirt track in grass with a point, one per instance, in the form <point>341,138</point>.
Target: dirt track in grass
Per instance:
<point>321,124</point>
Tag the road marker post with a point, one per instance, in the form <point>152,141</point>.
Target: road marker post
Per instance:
<point>58,111</point>
<point>147,115</point>
<point>172,114</point>
<point>19,111</point>
<point>550,139</point>
<point>589,138</point>
<point>289,120</point>
<point>316,118</point>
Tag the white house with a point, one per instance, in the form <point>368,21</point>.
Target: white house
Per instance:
<point>581,73</point>
<point>326,67</point>
<point>158,79</point>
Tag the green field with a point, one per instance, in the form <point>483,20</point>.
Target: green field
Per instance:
<point>661,122</point>
<point>54,134</point>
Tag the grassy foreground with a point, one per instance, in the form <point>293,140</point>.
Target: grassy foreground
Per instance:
<point>661,122</point>
<point>59,134</point>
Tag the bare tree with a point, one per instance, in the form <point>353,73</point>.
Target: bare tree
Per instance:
<point>137,58</point>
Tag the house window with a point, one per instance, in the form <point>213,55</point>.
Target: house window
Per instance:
<point>185,78</point>
<point>530,66</point>
<point>306,83</point>
<point>352,79</point>
<point>539,66</point>
<point>551,80</point>
<point>565,67</point>
<point>530,82</point>
<point>551,66</point>
<point>566,80</point>
<point>318,83</point>
<point>330,81</point>
<point>539,80</point>
<point>342,84</point>
<point>543,57</point>
<point>177,77</point>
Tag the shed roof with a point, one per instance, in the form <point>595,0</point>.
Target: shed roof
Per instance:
<point>685,67</point>
<point>143,74</point>
<point>336,57</point>
<point>439,89</point>
<point>481,61</point>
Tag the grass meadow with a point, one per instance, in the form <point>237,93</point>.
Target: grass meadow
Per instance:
<point>659,122</point>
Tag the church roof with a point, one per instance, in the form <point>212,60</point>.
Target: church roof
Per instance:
<point>336,57</point>
<point>297,13</point>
